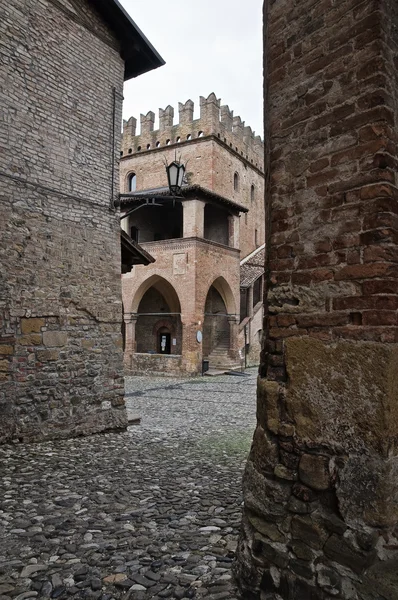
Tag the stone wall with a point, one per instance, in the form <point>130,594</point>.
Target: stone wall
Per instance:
<point>321,482</point>
<point>60,344</point>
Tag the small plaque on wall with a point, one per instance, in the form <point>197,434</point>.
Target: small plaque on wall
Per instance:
<point>179,263</point>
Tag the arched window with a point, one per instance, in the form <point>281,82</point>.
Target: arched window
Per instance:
<point>252,193</point>
<point>178,140</point>
<point>200,134</point>
<point>167,142</point>
<point>157,144</point>
<point>236,182</point>
<point>189,136</point>
<point>132,182</point>
<point>148,146</point>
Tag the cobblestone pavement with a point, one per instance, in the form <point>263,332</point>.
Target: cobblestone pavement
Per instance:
<point>150,513</point>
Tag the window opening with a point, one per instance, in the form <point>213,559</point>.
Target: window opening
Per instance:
<point>132,182</point>
<point>236,182</point>
<point>252,193</point>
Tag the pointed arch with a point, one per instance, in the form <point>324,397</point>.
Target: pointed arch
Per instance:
<point>224,289</point>
<point>163,287</point>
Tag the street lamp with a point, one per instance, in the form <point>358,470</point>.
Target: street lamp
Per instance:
<point>175,176</point>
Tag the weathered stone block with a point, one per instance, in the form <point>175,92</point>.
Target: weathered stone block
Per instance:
<point>55,338</point>
<point>4,365</point>
<point>264,496</point>
<point>283,472</point>
<point>6,350</point>
<point>268,403</point>
<point>314,471</point>
<point>266,528</point>
<point>32,325</point>
<point>275,554</point>
<point>328,580</point>
<point>368,488</point>
<point>47,355</point>
<point>343,552</point>
<point>308,530</point>
<point>264,451</point>
<point>31,339</point>
<point>344,394</point>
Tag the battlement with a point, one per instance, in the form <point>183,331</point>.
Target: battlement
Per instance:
<point>214,120</point>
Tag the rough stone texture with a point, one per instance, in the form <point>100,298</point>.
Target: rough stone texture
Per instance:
<point>149,513</point>
<point>323,468</point>
<point>60,305</point>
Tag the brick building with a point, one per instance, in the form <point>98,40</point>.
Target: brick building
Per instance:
<point>321,483</point>
<point>189,298</point>
<point>62,68</point>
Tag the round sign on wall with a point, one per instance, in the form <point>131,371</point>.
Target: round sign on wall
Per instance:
<point>199,336</point>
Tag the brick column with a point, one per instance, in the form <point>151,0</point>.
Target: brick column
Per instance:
<point>130,343</point>
<point>321,482</point>
<point>233,231</point>
<point>193,215</point>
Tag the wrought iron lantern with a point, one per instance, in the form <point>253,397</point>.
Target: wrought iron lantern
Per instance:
<point>175,176</point>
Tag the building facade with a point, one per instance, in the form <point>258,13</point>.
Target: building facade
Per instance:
<point>189,298</point>
<point>62,66</point>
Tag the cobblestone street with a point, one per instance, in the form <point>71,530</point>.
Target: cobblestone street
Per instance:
<point>150,513</point>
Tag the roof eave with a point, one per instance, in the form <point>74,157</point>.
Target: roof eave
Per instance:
<point>136,50</point>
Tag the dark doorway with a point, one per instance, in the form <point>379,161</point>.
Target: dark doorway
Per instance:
<point>164,342</point>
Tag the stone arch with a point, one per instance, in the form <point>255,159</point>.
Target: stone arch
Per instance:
<point>224,289</point>
<point>219,305</point>
<point>158,316</point>
<point>164,287</point>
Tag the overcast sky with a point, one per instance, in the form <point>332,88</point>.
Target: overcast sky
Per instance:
<point>209,46</point>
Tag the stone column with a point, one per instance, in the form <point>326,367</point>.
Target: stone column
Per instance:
<point>193,217</point>
<point>321,483</point>
<point>130,322</point>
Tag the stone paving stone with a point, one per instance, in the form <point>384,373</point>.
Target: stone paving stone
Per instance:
<point>147,514</point>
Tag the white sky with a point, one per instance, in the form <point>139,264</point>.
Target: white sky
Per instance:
<point>209,46</point>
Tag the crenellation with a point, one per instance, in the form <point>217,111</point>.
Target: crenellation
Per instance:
<point>166,117</point>
<point>214,120</point>
<point>248,135</point>
<point>130,127</point>
<point>147,122</point>
<point>237,128</point>
<point>185,112</point>
<point>227,116</point>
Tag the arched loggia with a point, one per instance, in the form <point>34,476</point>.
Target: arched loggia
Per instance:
<point>157,310</point>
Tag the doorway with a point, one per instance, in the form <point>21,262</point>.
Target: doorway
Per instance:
<point>164,341</point>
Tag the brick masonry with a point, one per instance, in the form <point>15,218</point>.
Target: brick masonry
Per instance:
<point>217,147</point>
<point>61,363</point>
<point>225,146</point>
<point>320,486</point>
